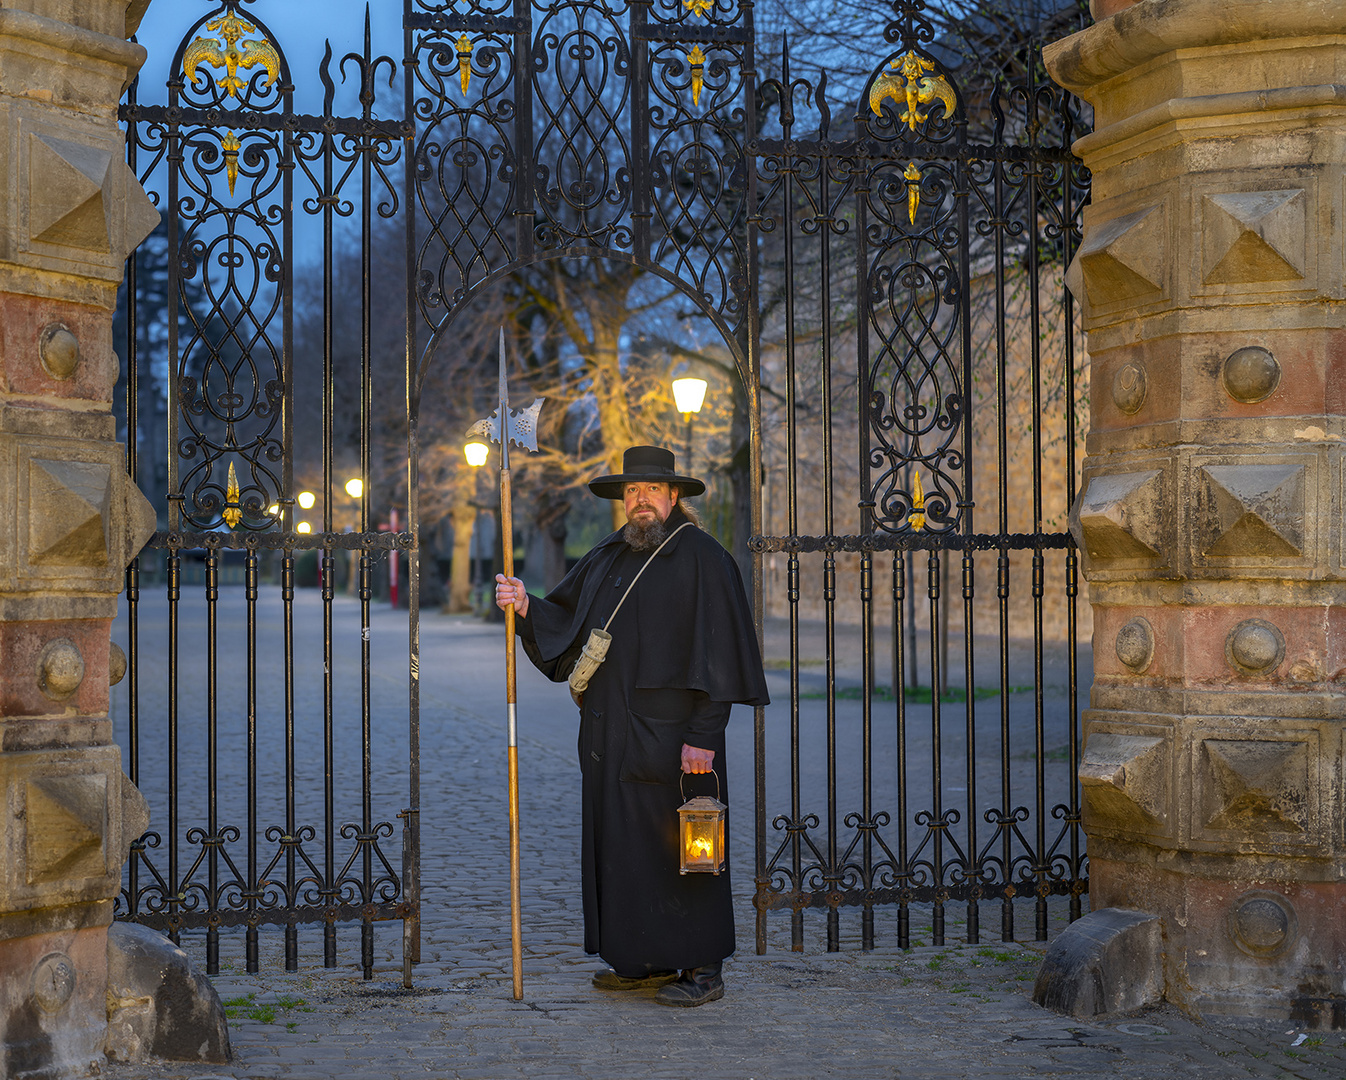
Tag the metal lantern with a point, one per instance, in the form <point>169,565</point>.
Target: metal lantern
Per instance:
<point>701,832</point>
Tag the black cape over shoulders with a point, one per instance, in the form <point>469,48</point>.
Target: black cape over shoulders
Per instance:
<point>683,650</point>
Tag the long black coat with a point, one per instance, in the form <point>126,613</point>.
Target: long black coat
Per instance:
<point>683,650</point>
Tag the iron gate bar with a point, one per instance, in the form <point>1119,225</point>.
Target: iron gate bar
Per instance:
<point>252,120</point>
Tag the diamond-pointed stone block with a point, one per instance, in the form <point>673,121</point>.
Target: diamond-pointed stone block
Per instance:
<point>1118,515</point>
<point>1123,259</point>
<point>1258,509</point>
<point>1125,782</point>
<point>1256,785</point>
<point>68,510</point>
<point>1254,236</point>
<point>69,193</point>
<point>66,824</point>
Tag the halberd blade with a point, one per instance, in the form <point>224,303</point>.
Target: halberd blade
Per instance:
<point>521,427</point>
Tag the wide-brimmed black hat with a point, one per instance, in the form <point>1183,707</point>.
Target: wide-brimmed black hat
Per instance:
<point>645,465</point>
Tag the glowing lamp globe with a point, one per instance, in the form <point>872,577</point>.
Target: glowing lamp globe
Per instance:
<point>476,454</point>
<point>306,499</point>
<point>303,527</point>
<point>688,395</point>
<point>701,834</point>
<point>355,487</point>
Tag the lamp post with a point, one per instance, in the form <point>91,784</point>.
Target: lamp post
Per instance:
<point>689,394</point>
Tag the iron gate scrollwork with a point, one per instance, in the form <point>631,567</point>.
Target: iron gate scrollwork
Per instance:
<point>225,157</point>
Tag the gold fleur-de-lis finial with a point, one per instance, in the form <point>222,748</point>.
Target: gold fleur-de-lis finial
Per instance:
<point>698,7</point>
<point>913,178</point>
<point>233,512</point>
<point>464,62</point>
<point>697,59</point>
<point>224,52</point>
<point>916,519</point>
<point>231,146</point>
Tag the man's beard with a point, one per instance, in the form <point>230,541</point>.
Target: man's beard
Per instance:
<point>645,535</point>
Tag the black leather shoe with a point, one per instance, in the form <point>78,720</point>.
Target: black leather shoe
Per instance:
<point>695,986</point>
<point>610,980</point>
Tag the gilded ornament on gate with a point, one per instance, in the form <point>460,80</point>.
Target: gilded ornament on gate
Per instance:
<point>698,7</point>
<point>916,519</point>
<point>230,145</point>
<point>906,80</point>
<point>913,178</point>
<point>233,513</point>
<point>464,62</point>
<point>225,53</point>
<point>698,61</point>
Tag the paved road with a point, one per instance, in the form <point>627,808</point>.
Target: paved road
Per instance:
<point>959,1011</point>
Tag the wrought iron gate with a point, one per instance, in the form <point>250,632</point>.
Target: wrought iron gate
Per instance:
<point>273,801</point>
<point>953,199</point>
<point>871,288</point>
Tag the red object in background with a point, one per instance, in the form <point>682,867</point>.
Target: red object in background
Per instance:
<point>392,559</point>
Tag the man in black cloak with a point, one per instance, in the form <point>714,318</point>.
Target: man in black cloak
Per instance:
<point>683,650</point>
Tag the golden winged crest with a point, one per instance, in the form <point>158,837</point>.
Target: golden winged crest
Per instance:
<point>225,53</point>
<point>907,80</point>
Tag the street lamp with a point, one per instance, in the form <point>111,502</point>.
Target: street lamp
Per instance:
<point>355,487</point>
<point>306,499</point>
<point>689,394</point>
<point>476,454</point>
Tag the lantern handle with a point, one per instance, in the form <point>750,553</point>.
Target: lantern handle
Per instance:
<point>682,776</point>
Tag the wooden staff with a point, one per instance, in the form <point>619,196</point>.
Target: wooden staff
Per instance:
<point>522,429</point>
<point>511,686</point>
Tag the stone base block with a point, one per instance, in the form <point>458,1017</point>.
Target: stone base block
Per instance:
<point>158,1005</point>
<point>53,1010</point>
<point>1110,961</point>
<point>1241,946</point>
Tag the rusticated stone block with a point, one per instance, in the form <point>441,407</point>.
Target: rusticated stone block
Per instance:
<point>1259,791</point>
<point>1125,780</point>
<point>73,814</point>
<point>1122,260</point>
<point>77,517</point>
<point>27,322</point>
<point>53,1003</point>
<point>1251,237</point>
<point>1123,518</point>
<point>27,653</point>
<point>1255,510</point>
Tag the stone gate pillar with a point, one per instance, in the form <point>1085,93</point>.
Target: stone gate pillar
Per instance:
<point>70,520</point>
<point>1210,513</point>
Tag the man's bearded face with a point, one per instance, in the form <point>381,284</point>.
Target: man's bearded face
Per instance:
<point>647,508</point>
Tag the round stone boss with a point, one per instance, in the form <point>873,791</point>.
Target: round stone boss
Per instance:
<point>60,669</point>
<point>1262,923</point>
<point>1128,388</point>
<point>1251,374</point>
<point>59,349</point>
<point>1135,644</point>
<point>53,982</point>
<point>1254,646</point>
<point>116,664</point>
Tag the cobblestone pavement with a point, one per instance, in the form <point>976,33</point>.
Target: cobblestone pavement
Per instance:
<point>929,1012</point>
